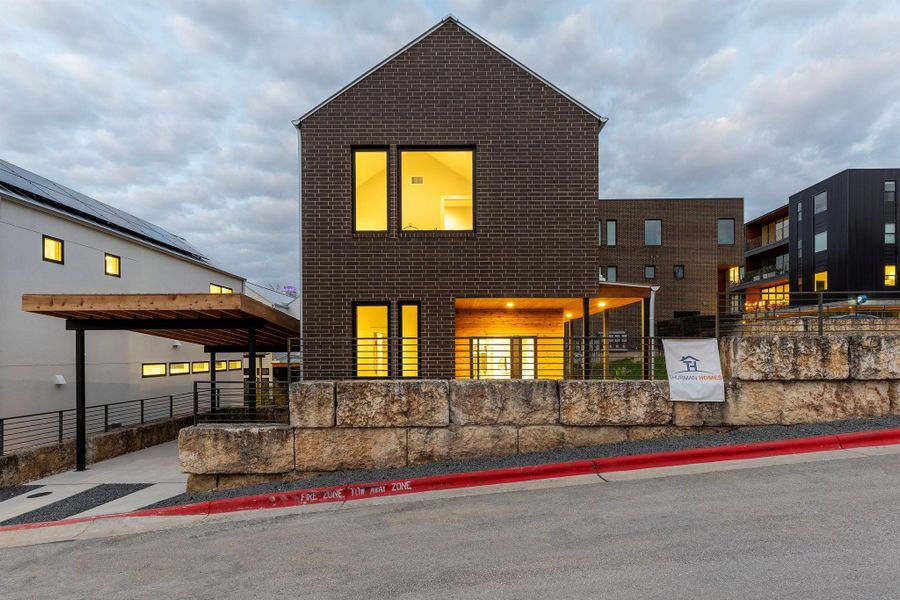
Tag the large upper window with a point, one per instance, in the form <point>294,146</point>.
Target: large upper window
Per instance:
<point>53,250</point>
<point>611,226</point>
<point>436,190</point>
<point>775,231</point>
<point>652,232</point>
<point>371,332</point>
<point>370,190</point>
<point>820,242</point>
<point>725,231</point>
<point>890,233</point>
<point>890,191</point>
<point>820,202</point>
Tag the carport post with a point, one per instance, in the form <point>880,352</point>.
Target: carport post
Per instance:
<point>251,362</point>
<point>80,433</point>
<point>212,381</point>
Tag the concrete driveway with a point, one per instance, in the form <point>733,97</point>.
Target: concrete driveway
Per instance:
<point>824,529</point>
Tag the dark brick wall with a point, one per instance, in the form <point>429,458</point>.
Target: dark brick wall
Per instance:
<point>536,170</point>
<point>689,238</point>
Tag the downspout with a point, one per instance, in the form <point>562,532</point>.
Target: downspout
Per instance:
<point>300,221</point>
<point>652,331</point>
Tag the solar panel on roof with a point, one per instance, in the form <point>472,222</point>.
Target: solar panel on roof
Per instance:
<point>49,192</point>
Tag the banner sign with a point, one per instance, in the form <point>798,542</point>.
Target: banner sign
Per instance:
<point>695,371</point>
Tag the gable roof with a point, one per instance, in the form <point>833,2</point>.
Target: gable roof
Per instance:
<point>448,19</point>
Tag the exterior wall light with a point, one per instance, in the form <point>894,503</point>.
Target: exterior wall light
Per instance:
<point>59,380</point>
<point>509,305</point>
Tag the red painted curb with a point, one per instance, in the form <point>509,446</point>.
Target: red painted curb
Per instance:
<point>346,493</point>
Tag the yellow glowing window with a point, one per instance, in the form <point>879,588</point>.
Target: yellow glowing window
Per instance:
<point>370,190</point>
<point>53,249</point>
<point>179,368</point>
<point>821,281</point>
<point>221,365</point>
<point>153,370</point>
<point>371,324</point>
<point>409,345</point>
<point>734,275</point>
<point>776,295</point>
<point>112,265</point>
<point>436,191</point>
<point>234,365</point>
<point>219,289</point>
<point>890,275</point>
<point>200,367</point>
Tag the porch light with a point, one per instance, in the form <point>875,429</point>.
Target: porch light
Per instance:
<point>509,305</point>
<point>568,315</point>
<point>601,304</point>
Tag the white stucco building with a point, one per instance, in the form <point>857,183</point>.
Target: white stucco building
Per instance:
<point>55,240</point>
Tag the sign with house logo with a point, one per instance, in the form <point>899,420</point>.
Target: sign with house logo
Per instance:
<point>695,371</point>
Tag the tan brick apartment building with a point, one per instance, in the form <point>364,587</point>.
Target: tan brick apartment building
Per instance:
<point>686,246</point>
<point>449,219</point>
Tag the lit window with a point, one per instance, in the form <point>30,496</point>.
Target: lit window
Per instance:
<point>725,231</point>
<point>734,275</point>
<point>200,367</point>
<point>821,281</point>
<point>774,296</point>
<point>650,272</point>
<point>890,233</point>
<point>221,365</point>
<point>890,275</point>
<point>112,265</point>
<point>53,250</point>
<point>678,272</point>
<point>611,227</point>
<point>612,274</point>
<point>890,191</point>
<point>234,365</point>
<point>371,331</point>
<point>800,284</point>
<point>215,288</point>
<point>153,370</point>
<point>409,345</point>
<point>179,368</point>
<point>370,190</point>
<point>820,242</point>
<point>820,202</point>
<point>436,190</point>
<point>652,232</point>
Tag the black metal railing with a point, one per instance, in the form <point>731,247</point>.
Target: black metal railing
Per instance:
<point>39,429</point>
<point>478,357</point>
<point>240,402</point>
<point>769,312</point>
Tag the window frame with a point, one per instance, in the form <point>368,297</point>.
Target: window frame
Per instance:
<point>893,192</point>
<point>660,233</point>
<point>815,197</point>
<point>62,252</point>
<point>221,287</point>
<point>199,362</point>
<point>892,234</point>
<point>118,258</point>
<point>675,272</point>
<point>353,323</point>
<point>615,236</point>
<point>719,242</point>
<point>645,272</point>
<point>180,362</point>
<point>817,280</point>
<point>387,188</point>
<point>892,277</point>
<point>816,250</point>
<point>239,361</point>
<point>164,374</point>
<point>399,175</point>
<point>400,362</point>
<point>606,273</point>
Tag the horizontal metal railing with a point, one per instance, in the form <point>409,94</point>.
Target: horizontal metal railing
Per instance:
<point>763,273</point>
<point>818,313</point>
<point>39,429</point>
<point>481,357</point>
<point>240,401</point>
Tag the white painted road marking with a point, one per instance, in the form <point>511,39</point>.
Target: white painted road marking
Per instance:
<point>21,504</point>
<point>135,500</point>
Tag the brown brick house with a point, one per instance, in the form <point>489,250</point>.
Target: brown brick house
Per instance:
<point>449,197</point>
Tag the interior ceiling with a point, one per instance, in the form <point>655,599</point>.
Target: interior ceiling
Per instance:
<point>564,305</point>
<point>458,161</point>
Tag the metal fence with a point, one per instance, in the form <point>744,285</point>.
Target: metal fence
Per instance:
<point>484,357</point>
<point>778,311</point>
<point>240,401</point>
<point>51,427</point>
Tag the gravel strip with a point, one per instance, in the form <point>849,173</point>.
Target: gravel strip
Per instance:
<point>78,503</point>
<point>744,435</point>
<point>14,490</point>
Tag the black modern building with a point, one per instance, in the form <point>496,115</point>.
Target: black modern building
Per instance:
<point>843,233</point>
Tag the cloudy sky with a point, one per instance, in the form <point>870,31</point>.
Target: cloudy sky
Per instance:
<point>180,111</point>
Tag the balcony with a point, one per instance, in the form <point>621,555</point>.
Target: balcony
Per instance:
<point>758,243</point>
<point>761,275</point>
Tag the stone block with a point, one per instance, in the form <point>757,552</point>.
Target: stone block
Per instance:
<point>537,438</point>
<point>636,434</point>
<point>614,402</point>
<point>198,484</point>
<point>504,402</point>
<point>789,357</point>
<point>419,403</point>
<point>103,446</point>
<point>207,449</point>
<point>698,414</point>
<point>875,357</point>
<point>346,448</point>
<point>446,443</point>
<point>233,481</point>
<point>27,465</point>
<point>792,402</point>
<point>312,404</point>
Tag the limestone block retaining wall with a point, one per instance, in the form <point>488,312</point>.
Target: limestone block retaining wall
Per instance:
<point>770,380</point>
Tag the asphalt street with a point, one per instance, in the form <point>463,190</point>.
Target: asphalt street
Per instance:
<point>814,530</point>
